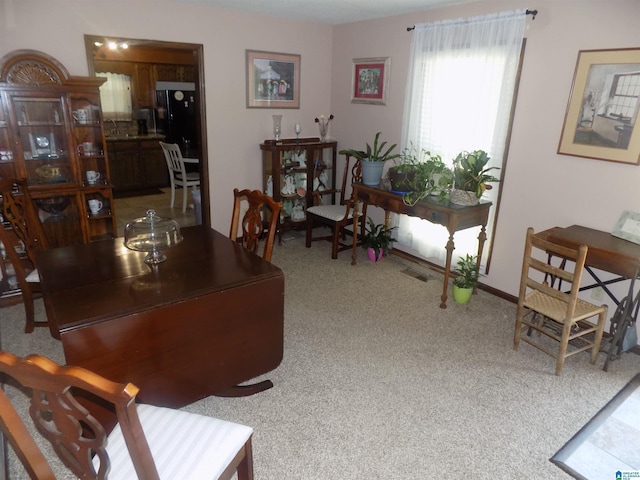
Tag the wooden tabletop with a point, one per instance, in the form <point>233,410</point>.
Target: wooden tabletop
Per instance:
<point>102,280</point>
<point>606,252</point>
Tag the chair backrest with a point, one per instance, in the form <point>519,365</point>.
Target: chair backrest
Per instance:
<point>352,174</point>
<point>539,274</point>
<point>73,432</point>
<point>19,211</point>
<point>252,223</point>
<point>173,156</point>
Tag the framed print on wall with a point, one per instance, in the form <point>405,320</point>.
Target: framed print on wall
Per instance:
<point>273,80</point>
<point>602,113</point>
<point>370,80</point>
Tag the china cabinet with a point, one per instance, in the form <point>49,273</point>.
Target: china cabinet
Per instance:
<point>299,173</point>
<point>51,134</point>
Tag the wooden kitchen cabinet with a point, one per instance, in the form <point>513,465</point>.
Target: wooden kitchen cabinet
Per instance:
<point>137,163</point>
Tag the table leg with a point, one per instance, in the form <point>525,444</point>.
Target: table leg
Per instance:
<point>245,390</point>
<point>447,270</point>
<point>482,237</point>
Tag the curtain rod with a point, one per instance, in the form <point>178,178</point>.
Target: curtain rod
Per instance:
<point>533,13</point>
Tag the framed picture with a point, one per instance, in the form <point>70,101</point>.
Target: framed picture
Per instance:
<point>602,113</point>
<point>273,80</point>
<point>370,80</point>
<point>628,227</point>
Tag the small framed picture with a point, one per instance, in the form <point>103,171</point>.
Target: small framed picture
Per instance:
<point>273,80</point>
<point>628,227</point>
<point>370,80</point>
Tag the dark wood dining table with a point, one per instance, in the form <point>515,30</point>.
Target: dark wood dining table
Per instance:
<point>207,319</point>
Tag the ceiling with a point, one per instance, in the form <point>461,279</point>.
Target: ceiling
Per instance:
<point>332,12</point>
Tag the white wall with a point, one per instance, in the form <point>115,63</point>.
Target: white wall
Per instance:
<point>57,27</point>
<point>542,189</point>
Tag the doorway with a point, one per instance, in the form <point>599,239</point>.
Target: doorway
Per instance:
<point>148,62</point>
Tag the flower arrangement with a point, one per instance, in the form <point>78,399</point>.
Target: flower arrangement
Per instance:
<point>323,124</point>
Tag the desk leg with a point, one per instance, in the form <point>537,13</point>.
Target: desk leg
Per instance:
<point>447,270</point>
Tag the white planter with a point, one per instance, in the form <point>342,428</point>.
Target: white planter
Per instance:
<point>462,197</point>
<point>371,173</point>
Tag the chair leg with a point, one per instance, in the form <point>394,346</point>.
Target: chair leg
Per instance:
<point>184,198</point>
<point>336,238</point>
<point>245,468</point>
<point>29,309</point>
<point>173,194</point>
<point>598,339</point>
<point>516,334</point>
<point>308,236</point>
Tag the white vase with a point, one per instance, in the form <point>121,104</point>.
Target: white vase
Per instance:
<point>371,173</point>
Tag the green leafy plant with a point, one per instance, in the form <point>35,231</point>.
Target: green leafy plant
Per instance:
<point>468,272</point>
<point>418,174</point>
<point>471,174</point>
<point>378,237</point>
<point>377,153</point>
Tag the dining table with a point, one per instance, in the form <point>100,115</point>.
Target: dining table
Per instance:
<point>209,318</point>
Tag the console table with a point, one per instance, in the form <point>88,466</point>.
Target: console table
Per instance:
<point>454,217</point>
<point>208,318</point>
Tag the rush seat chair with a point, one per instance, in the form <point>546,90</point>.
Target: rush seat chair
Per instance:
<point>549,309</point>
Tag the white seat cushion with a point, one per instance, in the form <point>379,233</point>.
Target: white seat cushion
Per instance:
<point>33,277</point>
<point>184,445</point>
<point>332,212</point>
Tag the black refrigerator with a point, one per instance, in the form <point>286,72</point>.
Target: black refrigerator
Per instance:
<point>176,115</point>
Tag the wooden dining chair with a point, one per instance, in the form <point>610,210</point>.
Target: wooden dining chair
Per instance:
<point>548,302</point>
<point>252,224</point>
<point>336,216</point>
<point>148,442</point>
<point>18,210</point>
<point>178,174</point>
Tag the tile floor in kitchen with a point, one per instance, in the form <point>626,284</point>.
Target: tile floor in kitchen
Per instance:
<point>130,208</point>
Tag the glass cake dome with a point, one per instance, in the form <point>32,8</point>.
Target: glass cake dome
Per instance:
<point>151,234</point>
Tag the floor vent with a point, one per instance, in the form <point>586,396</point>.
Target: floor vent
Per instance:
<point>416,275</point>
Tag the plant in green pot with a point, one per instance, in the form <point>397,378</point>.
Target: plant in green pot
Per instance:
<point>377,240</point>
<point>418,174</point>
<point>471,177</point>
<point>372,160</point>
<point>468,273</point>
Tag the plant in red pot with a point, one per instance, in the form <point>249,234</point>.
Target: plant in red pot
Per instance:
<point>377,240</point>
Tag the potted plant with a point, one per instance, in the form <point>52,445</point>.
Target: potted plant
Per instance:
<point>418,174</point>
<point>372,160</point>
<point>377,239</point>
<point>470,177</point>
<point>468,272</point>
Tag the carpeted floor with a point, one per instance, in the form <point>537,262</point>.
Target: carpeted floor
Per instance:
<point>377,382</point>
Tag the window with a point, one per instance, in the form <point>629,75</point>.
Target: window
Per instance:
<point>115,96</point>
<point>461,84</point>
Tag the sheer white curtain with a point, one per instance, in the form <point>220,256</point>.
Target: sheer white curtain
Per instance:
<point>460,87</point>
<point>115,96</point>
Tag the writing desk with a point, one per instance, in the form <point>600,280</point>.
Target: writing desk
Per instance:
<point>453,217</point>
<point>607,253</point>
<point>208,318</point>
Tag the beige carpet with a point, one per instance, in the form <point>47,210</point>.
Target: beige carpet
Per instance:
<point>377,382</point>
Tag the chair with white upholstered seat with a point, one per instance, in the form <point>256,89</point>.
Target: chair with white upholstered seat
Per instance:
<point>337,216</point>
<point>148,442</point>
<point>19,211</point>
<point>178,174</point>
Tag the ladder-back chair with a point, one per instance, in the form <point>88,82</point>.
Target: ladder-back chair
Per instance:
<point>548,302</point>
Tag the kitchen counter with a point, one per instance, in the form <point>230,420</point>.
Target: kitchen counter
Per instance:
<point>136,162</point>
